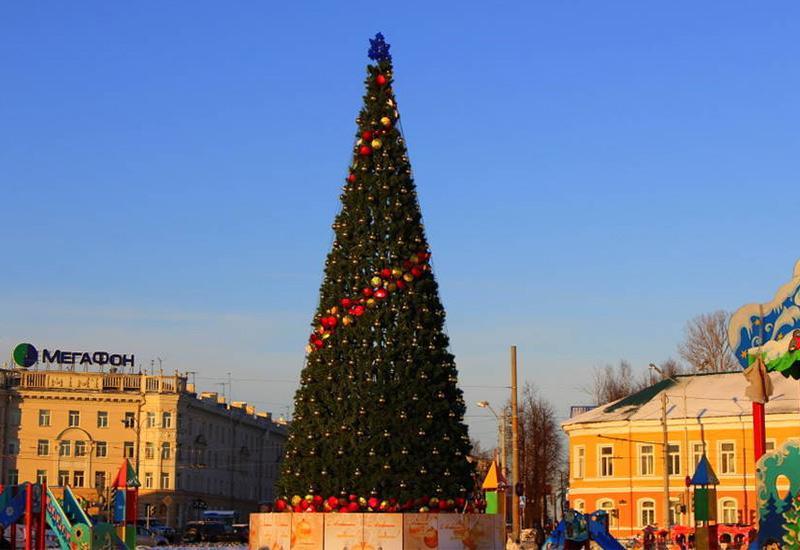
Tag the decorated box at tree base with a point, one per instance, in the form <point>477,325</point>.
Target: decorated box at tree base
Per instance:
<point>334,531</point>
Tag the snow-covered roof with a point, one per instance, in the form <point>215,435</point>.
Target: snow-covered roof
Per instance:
<point>706,396</point>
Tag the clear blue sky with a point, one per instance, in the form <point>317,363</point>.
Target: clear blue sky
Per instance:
<point>592,175</point>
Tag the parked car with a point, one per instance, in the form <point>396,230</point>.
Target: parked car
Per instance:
<point>242,530</point>
<point>159,528</point>
<point>146,537</point>
<point>209,531</point>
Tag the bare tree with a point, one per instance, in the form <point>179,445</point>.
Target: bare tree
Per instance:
<point>610,383</point>
<point>541,453</point>
<point>705,346</point>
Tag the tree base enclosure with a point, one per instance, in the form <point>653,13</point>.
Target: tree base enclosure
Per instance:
<point>410,531</point>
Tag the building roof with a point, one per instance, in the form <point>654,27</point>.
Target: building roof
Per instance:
<point>707,396</point>
<point>704,473</point>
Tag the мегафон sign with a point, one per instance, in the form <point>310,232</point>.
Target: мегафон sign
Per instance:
<point>26,355</point>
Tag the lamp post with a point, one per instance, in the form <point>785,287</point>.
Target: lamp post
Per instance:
<point>501,434</point>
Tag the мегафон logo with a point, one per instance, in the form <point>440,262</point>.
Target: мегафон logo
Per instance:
<point>25,355</point>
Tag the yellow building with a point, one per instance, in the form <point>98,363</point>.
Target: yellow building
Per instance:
<point>616,451</point>
<point>75,428</point>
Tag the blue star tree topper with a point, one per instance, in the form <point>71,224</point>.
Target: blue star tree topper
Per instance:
<point>379,49</point>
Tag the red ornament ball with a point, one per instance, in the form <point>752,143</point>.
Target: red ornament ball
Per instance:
<point>351,178</point>
<point>381,293</point>
<point>401,284</point>
<point>365,150</point>
<point>415,271</point>
<point>366,291</point>
<point>346,302</point>
<point>386,273</point>
<point>366,135</point>
<point>380,80</point>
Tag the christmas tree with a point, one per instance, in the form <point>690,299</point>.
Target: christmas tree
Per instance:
<point>378,413</point>
<point>791,525</point>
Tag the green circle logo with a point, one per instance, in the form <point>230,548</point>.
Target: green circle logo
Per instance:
<point>25,355</point>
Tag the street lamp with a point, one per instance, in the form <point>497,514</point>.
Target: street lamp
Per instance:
<point>501,433</point>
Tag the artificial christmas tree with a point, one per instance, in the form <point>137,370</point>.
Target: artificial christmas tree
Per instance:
<point>378,416</point>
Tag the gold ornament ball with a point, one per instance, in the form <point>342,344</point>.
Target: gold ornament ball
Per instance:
<point>391,287</point>
<point>377,144</point>
<point>408,277</point>
<point>386,121</point>
<point>376,281</point>
<point>371,302</point>
<point>346,320</point>
<point>397,272</point>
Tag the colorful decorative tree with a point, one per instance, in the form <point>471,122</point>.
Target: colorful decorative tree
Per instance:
<point>791,524</point>
<point>378,412</point>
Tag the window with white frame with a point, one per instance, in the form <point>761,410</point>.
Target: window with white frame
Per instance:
<point>80,448</point>
<point>44,417</point>
<point>647,460</point>
<point>675,512</point>
<point>580,462</point>
<point>647,512</point>
<point>698,448</point>
<point>149,450</point>
<point>674,459</point>
<point>607,505</point>
<point>74,418</point>
<point>166,419</point>
<point>730,513</point>
<point>148,480</point>
<point>727,457</point>
<point>64,448</point>
<point>151,420</point>
<point>102,419</point>
<point>606,461</point>
<point>580,505</point>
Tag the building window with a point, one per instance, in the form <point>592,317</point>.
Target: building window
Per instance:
<point>74,418</point>
<point>647,460</point>
<point>580,505</point>
<point>148,480</point>
<point>41,476</point>
<point>43,447</point>
<point>727,457</point>
<point>44,417</point>
<point>674,459</point>
<point>12,477</point>
<point>607,505</point>
<point>675,512</point>
<point>580,462</point>
<point>101,449</point>
<point>730,514</point>
<point>698,449</point>
<point>166,420</point>
<point>127,449</point>
<point>130,420</point>
<point>164,480</point>
<point>165,451</point>
<point>80,448</point>
<point>77,478</point>
<point>63,478</point>
<point>100,480</point>
<point>102,419</point>
<point>15,417</point>
<point>151,420</point>
<point>12,446</point>
<point>606,461</point>
<point>64,448</point>
<point>149,450</point>
<point>647,513</point>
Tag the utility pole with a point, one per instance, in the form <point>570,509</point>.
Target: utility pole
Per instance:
<point>666,457</point>
<point>514,449</point>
